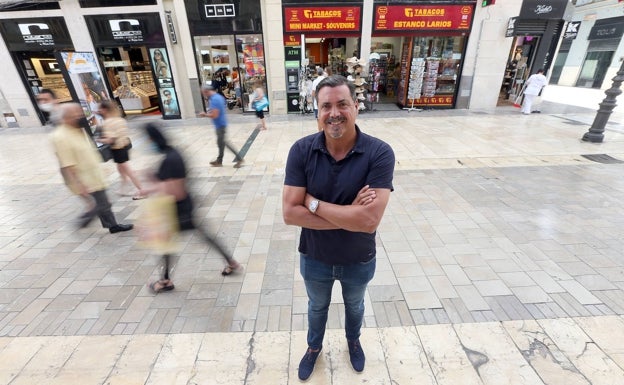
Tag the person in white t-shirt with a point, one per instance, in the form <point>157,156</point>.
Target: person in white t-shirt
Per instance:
<point>534,85</point>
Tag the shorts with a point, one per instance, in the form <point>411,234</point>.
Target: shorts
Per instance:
<point>120,155</point>
<point>238,92</point>
<point>260,114</point>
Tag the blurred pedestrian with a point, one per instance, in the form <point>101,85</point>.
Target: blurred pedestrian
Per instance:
<point>47,103</point>
<point>216,111</point>
<point>116,134</point>
<point>337,185</point>
<point>320,76</point>
<point>259,102</point>
<point>171,179</point>
<point>80,166</point>
<point>534,85</point>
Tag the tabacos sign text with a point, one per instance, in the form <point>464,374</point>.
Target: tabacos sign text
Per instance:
<point>127,30</point>
<point>428,17</point>
<point>36,33</point>
<point>321,19</point>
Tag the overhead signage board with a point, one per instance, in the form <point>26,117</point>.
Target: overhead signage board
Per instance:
<point>422,17</point>
<point>125,29</point>
<point>36,34</point>
<point>321,19</point>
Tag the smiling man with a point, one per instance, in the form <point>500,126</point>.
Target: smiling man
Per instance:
<point>337,185</point>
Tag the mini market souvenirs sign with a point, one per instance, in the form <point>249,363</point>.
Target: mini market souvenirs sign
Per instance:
<point>321,19</point>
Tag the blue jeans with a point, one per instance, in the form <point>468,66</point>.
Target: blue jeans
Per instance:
<point>319,278</point>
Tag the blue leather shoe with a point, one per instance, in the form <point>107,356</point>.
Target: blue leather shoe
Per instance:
<point>356,355</point>
<point>306,366</point>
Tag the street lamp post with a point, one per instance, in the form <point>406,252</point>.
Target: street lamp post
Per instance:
<point>595,133</point>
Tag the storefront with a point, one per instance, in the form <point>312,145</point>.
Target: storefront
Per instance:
<point>331,36</point>
<point>32,43</point>
<point>434,39</point>
<point>228,46</point>
<point>132,52</point>
<point>536,33</point>
<point>604,40</point>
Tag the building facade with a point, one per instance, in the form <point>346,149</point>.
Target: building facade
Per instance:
<point>592,48</point>
<point>153,56</point>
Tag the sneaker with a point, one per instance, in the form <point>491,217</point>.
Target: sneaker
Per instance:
<point>306,366</point>
<point>239,164</point>
<point>216,163</point>
<point>356,355</point>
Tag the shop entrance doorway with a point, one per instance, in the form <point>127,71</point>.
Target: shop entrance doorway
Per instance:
<point>234,65</point>
<point>41,70</point>
<point>519,68</point>
<point>128,72</point>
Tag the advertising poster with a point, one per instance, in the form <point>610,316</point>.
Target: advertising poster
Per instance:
<point>85,82</point>
<point>160,65</point>
<point>253,57</point>
<point>166,91</point>
<point>169,102</point>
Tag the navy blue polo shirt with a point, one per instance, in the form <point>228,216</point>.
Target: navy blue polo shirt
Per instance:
<point>310,165</point>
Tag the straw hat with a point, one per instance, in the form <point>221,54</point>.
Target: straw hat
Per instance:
<point>359,82</point>
<point>359,90</point>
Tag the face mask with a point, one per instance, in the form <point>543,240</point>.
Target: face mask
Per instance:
<point>46,107</point>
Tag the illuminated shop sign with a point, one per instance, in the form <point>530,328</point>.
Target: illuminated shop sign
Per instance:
<point>422,17</point>
<point>321,19</point>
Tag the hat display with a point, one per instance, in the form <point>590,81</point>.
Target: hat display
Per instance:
<point>351,61</point>
<point>359,82</point>
<point>359,90</point>
<point>361,97</point>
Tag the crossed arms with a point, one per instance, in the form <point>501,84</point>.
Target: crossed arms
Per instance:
<point>362,215</point>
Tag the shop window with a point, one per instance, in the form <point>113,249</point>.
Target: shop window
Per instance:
<point>226,61</point>
<point>594,69</point>
<point>430,71</point>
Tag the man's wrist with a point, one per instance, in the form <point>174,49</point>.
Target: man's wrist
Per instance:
<point>313,205</point>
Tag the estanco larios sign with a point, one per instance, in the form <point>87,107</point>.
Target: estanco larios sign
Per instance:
<point>422,17</point>
<point>321,19</point>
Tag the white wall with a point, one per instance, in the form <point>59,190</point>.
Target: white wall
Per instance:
<point>487,54</point>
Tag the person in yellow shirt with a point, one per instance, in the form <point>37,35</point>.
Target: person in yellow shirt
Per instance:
<point>79,162</point>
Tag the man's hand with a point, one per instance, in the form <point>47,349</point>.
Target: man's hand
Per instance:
<point>365,196</point>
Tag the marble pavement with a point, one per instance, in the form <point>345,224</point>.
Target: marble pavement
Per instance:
<point>499,262</point>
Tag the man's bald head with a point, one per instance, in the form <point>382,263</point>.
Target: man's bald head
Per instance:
<point>71,114</point>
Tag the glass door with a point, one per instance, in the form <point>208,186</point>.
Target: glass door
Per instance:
<point>234,65</point>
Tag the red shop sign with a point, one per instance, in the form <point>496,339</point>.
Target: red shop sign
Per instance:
<point>422,17</point>
<point>321,19</point>
<point>292,40</point>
